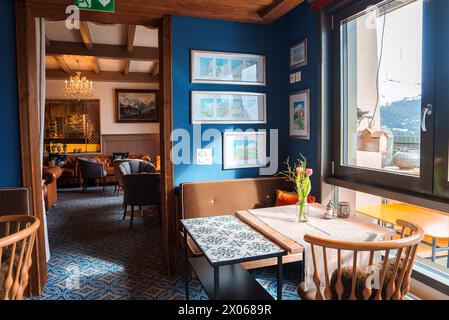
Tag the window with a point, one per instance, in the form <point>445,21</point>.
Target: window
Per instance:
<point>381,69</point>
<point>384,70</point>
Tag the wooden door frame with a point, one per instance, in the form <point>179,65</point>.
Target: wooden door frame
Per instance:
<point>25,12</point>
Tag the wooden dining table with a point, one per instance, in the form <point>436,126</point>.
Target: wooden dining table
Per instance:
<point>434,223</point>
<point>275,232</point>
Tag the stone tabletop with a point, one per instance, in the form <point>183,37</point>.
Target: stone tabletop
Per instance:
<point>226,238</point>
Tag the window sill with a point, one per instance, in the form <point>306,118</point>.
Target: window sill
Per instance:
<point>418,199</point>
<point>432,275</point>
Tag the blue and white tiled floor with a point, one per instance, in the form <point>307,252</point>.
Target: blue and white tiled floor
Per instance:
<point>95,255</point>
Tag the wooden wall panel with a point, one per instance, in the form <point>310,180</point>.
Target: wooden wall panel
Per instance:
<point>132,143</point>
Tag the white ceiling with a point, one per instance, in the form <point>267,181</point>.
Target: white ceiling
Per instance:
<point>112,34</point>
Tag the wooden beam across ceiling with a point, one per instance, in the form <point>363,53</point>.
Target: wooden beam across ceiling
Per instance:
<point>150,12</point>
<point>279,9</point>
<point>155,69</point>
<point>131,37</point>
<point>85,35</point>
<point>106,76</point>
<point>47,41</point>
<point>62,64</point>
<point>103,51</point>
<point>96,65</point>
<point>127,66</point>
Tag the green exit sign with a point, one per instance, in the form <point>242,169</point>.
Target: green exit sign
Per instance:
<point>96,5</point>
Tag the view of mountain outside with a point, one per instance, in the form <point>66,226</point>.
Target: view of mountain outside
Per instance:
<point>381,91</point>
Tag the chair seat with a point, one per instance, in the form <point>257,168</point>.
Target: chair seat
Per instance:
<point>306,294</point>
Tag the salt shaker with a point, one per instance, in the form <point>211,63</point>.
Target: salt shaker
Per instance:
<point>329,210</point>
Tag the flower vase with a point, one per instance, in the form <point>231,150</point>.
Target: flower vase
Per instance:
<point>302,208</point>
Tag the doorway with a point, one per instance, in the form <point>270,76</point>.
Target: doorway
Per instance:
<point>26,12</point>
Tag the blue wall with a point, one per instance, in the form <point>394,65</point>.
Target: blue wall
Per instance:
<point>297,25</point>
<point>274,41</point>
<point>193,33</point>
<point>10,163</point>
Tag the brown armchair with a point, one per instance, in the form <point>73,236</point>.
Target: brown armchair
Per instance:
<point>90,169</point>
<point>51,175</point>
<point>141,189</point>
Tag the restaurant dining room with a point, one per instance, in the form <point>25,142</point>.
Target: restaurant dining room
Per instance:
<point>215,151</point>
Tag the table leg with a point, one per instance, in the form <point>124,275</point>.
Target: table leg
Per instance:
<point>279,278</point>
<point>434,250</point>
<point>186,264</point>
<point>216,282</point>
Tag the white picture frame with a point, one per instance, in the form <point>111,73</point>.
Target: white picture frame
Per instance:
<point>228,107</point>
<point>300,114</point>
<point>298,54</point>
<point>227,68</point>
<point>244,150</point>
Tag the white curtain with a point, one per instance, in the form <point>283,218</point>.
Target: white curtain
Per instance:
<point>40,57</point>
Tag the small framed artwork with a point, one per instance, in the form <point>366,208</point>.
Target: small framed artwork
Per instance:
<point>298,54</point>
<point>227,68</point>
<point>300,114</point>
<point>244,150</point>
<point>136,105</point>
<point>228,107</point>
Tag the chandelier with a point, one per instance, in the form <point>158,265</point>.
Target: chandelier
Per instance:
<point>78,87</point>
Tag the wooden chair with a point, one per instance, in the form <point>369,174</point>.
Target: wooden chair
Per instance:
<point>354,282</point>
<point>17,237</point>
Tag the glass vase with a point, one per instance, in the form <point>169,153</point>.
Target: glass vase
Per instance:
<point>302,209</point>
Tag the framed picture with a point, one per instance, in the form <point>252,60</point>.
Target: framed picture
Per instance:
<point>300,114</point>
<point>244,150</point>
<point>227,107</point>
<point>136,105</point>
<point>227,68</point>
<point>298,54</point>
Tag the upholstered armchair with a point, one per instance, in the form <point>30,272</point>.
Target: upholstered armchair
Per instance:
<point>90,169</point>
<point>136,166</point>
<point>50,189</point>
<point>141,189</point>
<point>118,175</point>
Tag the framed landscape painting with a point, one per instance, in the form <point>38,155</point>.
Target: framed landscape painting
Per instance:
<point>228,107</point>
<point>244,150</point>
<point>298,54</point>
<point>300,114</point>
<point>227,68</point>
<point>136,105</point>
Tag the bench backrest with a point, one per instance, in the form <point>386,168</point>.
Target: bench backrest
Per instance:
<point>213,198</point>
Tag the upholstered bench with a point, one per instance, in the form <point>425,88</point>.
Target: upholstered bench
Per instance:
<point>215,198</point>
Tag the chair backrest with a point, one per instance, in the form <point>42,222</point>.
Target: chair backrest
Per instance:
<point>136,166</point>
<point>90,168</point>
<point>142,189</point>
<point>391,275</point>
<point>16,246</point>
<point>117,172</point>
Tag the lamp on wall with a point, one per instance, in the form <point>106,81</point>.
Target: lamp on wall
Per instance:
<point>78,87</point>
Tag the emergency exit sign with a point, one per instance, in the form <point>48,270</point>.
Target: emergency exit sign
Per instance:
<point>96,5</point>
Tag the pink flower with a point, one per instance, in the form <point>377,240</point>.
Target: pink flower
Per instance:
<point>309,172</point>
<point>299,170</point>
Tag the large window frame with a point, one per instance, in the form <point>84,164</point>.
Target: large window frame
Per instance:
<point>381,179</point>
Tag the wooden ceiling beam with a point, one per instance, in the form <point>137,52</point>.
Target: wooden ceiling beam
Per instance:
<point>155,69</point>
<point>127,66</point>
<point>62,64</point>
<point>85,35</point>
<point>96,65</point>
<point>47,41</point>
<point>106,76</point>
<point>131,37</point>
<point>281,8</point>
<point>105,51</point>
